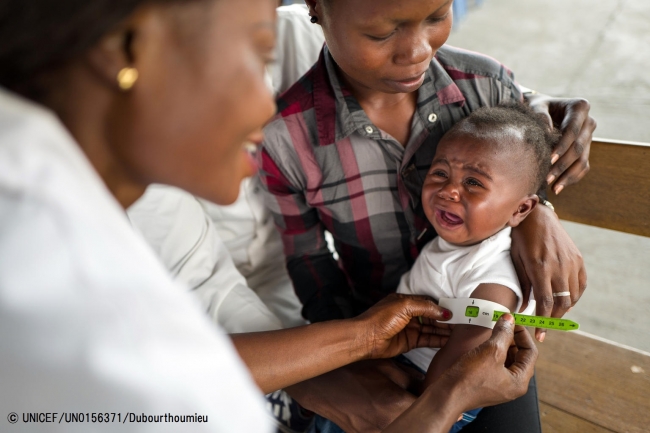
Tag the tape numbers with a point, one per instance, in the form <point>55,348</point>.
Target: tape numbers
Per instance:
<point>471,311</point>
<point>541,322</point>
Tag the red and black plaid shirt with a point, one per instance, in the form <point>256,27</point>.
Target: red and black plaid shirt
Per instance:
<point>325,166</point>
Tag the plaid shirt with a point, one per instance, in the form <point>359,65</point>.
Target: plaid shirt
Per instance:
<point>325,166</point>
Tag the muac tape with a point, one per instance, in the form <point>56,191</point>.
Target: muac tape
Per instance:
<point>471,311</point>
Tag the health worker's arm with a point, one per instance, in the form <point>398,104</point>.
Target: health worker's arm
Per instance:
<point>281,358</point>
<point>364,397</point>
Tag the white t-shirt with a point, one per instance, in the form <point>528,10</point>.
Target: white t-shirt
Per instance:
<point>298,46</point>
<point>176,226</point>
<point>90,321</point>
<point>443,270</point>
<point>247,230</point>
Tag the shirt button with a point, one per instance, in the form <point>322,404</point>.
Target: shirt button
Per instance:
<point>432,117</point>
<point>369,129</point>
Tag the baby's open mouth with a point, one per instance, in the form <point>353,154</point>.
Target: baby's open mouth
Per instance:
<point>449,218</point>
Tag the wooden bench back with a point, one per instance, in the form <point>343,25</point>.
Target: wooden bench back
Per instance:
<point>587,385</point>
<point>615,194</point>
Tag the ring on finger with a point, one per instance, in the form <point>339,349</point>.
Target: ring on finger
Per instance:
<point>558,294</point>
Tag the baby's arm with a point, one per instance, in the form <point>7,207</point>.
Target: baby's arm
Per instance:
<point>466,337</point>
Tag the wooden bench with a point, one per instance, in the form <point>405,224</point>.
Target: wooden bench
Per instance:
<point>588,384</point>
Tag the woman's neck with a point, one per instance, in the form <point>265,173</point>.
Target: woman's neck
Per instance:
<point>391,112</point>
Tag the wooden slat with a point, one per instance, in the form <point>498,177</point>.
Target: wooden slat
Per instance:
<point>557,421</point>
<point>594,381</point>
<point>615,194</point>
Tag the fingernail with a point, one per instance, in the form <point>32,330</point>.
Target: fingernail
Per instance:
<point>446,314</point>
<point>554,158</point>
<point>550,179</point>
<point>558,189</point>
<point>542,336</point>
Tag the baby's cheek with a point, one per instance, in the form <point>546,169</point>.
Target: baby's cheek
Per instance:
<point>479,223</point>
<point>427,206</point>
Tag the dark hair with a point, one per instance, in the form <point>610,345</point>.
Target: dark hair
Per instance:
<point>538,137</point>
<point>39,35</point>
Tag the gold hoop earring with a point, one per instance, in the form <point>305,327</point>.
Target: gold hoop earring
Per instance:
<point>126,78</point>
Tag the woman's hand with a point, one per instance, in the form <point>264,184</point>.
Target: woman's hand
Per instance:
<point>495,372</point>
<point>570,158</point>
<point>399,323</point>
<point>366,396</point>
<point>546,258</point>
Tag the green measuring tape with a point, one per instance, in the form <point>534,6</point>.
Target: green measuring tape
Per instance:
<point>534,321</point>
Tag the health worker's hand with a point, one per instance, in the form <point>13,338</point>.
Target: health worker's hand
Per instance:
<point>495,372</point>
<point>570,158</point>
<point>498,370</point>
<point>546,258</point>
<point>399,323</point>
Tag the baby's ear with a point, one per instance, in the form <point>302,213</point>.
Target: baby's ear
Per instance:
<point>526,206</point>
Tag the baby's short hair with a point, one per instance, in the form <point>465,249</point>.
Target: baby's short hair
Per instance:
<point>538,138</point>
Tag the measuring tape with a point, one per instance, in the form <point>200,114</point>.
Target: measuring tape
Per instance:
<point>540,321</point>
<point>471,311</point>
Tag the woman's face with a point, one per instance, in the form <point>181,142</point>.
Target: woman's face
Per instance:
<point>200,96</point>
<point>384,45</point>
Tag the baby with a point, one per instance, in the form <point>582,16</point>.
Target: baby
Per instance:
<point>482,182</point>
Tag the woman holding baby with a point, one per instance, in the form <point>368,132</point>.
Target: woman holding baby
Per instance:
<point>349,153</point>
<point>104,98</point>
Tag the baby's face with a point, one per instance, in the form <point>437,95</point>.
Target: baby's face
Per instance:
<point>473,189</point>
